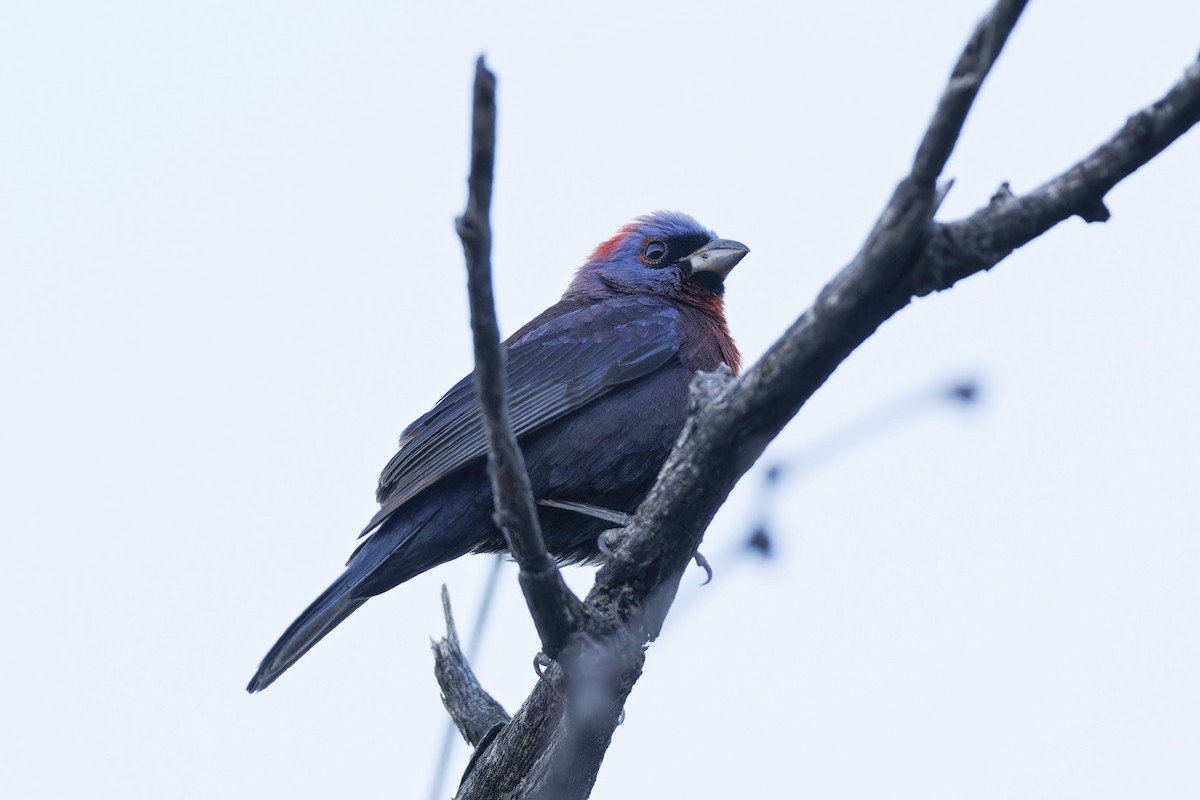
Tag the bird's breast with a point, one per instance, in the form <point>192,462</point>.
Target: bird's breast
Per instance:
<point>611,450</point>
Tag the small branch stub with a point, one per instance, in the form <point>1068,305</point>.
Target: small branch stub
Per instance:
<point>473,710</point>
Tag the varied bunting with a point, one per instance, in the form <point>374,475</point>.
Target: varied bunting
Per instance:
<point>597,392</point>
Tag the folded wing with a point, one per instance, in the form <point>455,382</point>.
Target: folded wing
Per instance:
<point>553,371</point>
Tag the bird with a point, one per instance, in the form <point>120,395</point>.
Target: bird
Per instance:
<point>597,387</point>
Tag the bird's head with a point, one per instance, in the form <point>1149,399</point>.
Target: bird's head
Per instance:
<point>665,253</point>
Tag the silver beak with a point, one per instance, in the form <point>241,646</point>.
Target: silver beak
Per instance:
<point>719,256</point>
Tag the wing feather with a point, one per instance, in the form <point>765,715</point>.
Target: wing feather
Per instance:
<point>553,371</point>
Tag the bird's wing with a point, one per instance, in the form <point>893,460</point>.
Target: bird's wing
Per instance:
<point>554,370</point>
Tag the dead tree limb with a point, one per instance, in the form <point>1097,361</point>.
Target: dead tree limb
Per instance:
<point>554,744</point>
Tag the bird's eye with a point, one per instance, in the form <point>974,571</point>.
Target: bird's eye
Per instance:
<point>654,251</point>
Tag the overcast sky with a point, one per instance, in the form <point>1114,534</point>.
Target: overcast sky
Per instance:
<point>230,278</point>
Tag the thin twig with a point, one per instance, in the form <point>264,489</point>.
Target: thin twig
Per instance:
<point>959,249</point>
<point>554,608</point>
<point>973,65</point>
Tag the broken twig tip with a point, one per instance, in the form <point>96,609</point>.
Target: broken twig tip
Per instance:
<point>451,630</point>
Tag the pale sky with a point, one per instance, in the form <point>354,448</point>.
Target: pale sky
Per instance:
<point>231,278</point>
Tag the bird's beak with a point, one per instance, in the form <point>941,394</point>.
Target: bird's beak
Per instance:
<point>718,256</point>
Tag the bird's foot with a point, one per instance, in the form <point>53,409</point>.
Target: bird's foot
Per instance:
<point>605,544</point>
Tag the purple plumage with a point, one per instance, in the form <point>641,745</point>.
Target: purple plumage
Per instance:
<point>597,389</point>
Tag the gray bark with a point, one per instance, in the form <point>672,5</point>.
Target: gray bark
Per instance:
<point>554,744</point>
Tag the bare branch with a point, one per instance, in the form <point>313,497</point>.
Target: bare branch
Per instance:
<point>979,242</point>
<point>555,609</point>
<point>473,710</point>
<point>551,748</point>
<point>554,745</point>
<point>973,66</point>
<point>735,420</point>
<point>513,764</point>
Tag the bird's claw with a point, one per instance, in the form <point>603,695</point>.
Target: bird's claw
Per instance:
<point>602,546</point>
<point>541,663</point>
<point>703,564</point>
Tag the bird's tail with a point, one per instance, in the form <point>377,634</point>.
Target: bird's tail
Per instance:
<point>376,565</point>
<point>323,615</point>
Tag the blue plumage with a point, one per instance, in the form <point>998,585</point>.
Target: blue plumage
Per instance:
<point>597,389</point>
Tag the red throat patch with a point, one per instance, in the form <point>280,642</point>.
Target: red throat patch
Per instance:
<point>713,307</point>
<point>729,351</point>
